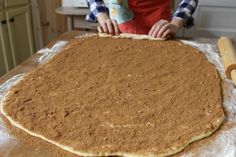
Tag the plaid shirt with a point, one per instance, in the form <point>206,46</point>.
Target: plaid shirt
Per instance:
<point>184,11</point>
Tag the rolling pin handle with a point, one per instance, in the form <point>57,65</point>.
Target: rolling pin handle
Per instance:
<point>233,76</point>
<point>228,55</point>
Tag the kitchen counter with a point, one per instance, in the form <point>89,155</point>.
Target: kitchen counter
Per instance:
<point>17,143</point>
<point>74,14</point>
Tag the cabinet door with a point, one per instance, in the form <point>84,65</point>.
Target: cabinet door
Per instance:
<point>10,3</point>
<point>3,68</point>
<point>1,4</point>
<point>6,62</point>
<point>20,33</point>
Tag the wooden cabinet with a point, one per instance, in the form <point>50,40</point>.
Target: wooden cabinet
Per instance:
<point>1,5</point>
<point>10,3</point>
<point>16,38</point>
<point>2,63</point>
<point>3,66</point>
<point>6,60</point>
<point>20,33</point>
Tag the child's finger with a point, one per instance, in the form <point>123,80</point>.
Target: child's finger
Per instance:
<point>162,30</point>
<point>110,27</point>
<point>104,28</point>
<point>151,32</point>
<point>157,29</point>
<point>166,34</point>
<point>115,25</point>
<point>99,28</point>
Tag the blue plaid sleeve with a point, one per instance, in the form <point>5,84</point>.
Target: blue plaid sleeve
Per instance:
<point>185,11</point>
<point>95,8</point>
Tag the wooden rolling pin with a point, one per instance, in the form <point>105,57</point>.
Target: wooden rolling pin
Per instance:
<point>228,55</point>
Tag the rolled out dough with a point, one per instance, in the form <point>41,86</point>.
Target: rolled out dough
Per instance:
<point>121,97</point>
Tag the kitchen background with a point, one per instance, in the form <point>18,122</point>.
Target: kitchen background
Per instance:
<point>28,25</point>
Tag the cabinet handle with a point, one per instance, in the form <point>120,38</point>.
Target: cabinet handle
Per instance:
<point>12,20</point>
<point>4,22</point>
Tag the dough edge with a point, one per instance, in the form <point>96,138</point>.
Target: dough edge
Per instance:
<point>171,151</point>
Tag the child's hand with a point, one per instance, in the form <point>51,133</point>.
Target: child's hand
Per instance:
<point>107,25</point>
<point>164,28</point>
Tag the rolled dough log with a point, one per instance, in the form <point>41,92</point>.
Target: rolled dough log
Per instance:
<point>131,36</point>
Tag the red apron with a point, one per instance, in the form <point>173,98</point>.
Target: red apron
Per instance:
<point>146,14</point>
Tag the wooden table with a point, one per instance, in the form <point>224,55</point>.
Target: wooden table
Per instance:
<point>70,13</point>
<point>24,145</point>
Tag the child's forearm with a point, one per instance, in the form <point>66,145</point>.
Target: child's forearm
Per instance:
<point>179,23</point>
<point>185,11</point>
<point>97,8</point>
<point>102,17</point>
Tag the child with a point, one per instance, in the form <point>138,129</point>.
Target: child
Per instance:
<point>152,17</point>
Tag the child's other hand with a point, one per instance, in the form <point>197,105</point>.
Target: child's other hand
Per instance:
<point>107,25</point>
<point>164,28</point>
